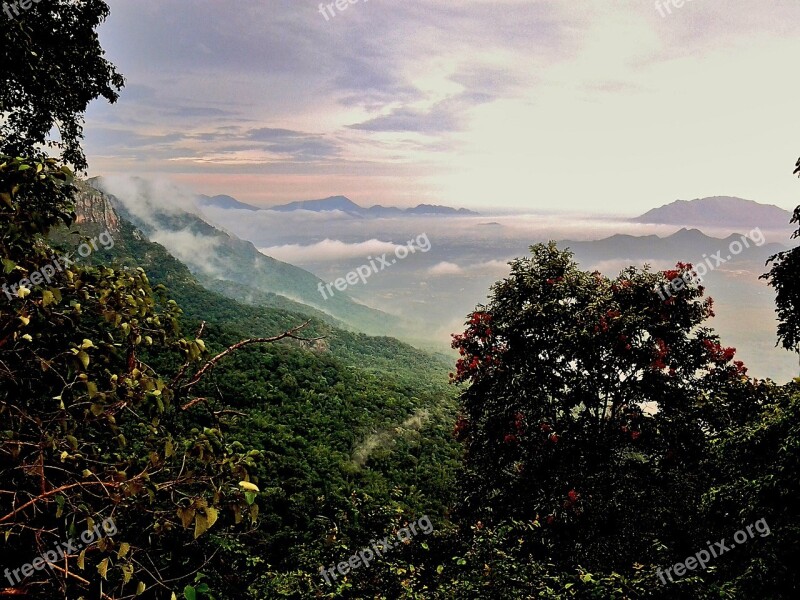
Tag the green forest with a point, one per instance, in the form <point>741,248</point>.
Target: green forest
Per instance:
<point>586,439</point>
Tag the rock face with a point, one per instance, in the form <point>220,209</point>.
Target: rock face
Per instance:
<point>92,206</point>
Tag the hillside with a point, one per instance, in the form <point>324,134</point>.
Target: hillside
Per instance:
<point>340,422</point>
<point>222,261</point>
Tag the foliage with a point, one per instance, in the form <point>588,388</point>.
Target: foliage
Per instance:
<point>783,277</point>
<point>759,478</point>
<point>89,430</point>
<point>591,403</point>
<point>51,68</point>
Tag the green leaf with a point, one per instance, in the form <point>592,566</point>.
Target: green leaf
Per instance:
<point>189,593</point>
<point>84,358</point>
<point>203,522</point>
<point>102,568</point>
<point>127,572</point>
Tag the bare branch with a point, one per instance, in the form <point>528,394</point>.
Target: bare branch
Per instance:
<point>212,362</point>
<point>55,491</point>
<point>192,403</point>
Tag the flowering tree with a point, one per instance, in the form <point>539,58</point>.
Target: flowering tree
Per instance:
<point>587,397</point>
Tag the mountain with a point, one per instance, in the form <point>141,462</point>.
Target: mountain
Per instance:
<point>228,264</point>
<point>688,245</point>
<point>341,203</point>
<point>344,204</point>
<point>226,202</point>
<point>437,209</point>
<point>340,423</point>
<point>719,211</point>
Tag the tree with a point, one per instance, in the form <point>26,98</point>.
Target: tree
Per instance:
<point>590,406</point>
<point>783,277</point>
<point>90,432</point>
<point>51,68</point>
<point>759,479</point>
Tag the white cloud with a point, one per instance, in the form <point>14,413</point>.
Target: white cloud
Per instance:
<point>492,265</point>
<point>446,268</point>
<point>197,251</point>
<point>328,250</point>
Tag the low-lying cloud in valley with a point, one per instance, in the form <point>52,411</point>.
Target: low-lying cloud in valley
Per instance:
<point>328,250</point>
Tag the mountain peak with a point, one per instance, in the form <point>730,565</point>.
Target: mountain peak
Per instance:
<point>718,211</point>
<point>342,203</point>
<point>223,201</point>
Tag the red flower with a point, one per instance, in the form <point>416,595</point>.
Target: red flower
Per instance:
<point>553,437</point>
<point>573,496</point>
<point>545,427</point>
<point>510,438</point>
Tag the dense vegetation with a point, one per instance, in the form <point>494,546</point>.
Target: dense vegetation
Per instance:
<point>595,436</point>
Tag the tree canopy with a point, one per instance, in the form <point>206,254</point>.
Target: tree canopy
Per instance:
<point>51,67</point>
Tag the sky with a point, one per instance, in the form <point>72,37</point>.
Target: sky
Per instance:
<point>607,107</point>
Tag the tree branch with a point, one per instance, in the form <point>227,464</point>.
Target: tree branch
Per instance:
<point>212,362</point>
<point>56,491</point>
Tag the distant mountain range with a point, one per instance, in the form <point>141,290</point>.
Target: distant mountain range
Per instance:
<point>227,202</point>
<point>718,211</point>
<point>687,245</point>
<point>228,264</point>
<point>339,203</point>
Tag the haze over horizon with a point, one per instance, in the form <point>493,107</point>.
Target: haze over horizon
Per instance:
<point>520,104</point>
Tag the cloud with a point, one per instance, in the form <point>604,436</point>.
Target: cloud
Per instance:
<point>148,198</point>
<point>446,268</point>
<point>195,250</point>
<point>328,250</point>
<point>429,101</point>
<point>385,439</point>
<point>492,266</point>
